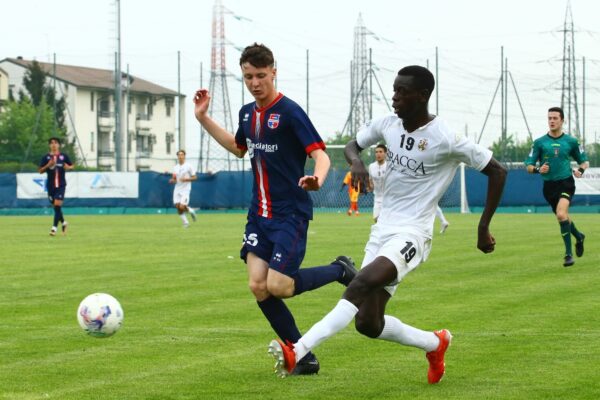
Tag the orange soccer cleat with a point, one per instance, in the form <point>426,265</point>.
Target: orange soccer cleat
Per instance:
<point>437,367</point>
<point>285,357</point>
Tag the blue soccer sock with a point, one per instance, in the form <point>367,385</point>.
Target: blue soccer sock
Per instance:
<point>281,319</point>
<point>58,216</point>
<point>313,278</point>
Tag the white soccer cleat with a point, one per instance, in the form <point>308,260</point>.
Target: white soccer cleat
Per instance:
<point>445,226</point>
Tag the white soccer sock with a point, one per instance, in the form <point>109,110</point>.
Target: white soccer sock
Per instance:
<point>337,319</point>
<point>395,330</point>
<point>440,214</point>
<point>184,219</point>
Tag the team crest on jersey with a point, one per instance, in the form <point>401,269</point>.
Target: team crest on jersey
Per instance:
<point>422,144</point>
<point>273,121</point>
<point>246,116</point>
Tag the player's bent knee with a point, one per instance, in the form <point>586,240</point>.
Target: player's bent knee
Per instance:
<point>280,289</point>
<point>368,327</point>
<point>259,289</point>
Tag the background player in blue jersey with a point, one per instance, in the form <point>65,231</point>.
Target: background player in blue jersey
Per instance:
<point>553,152</point>
<point>54,164</point>
<point>277,135</point>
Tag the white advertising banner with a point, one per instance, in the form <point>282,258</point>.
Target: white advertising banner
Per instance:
<point>589,183</point>
<point>82,185</point>
<point>106,185</point>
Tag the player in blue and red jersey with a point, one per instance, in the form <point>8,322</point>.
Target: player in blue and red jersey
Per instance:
<point>278,136</point>
<point>54,164</point>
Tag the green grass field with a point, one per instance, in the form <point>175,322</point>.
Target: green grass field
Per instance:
<point>524,326</point>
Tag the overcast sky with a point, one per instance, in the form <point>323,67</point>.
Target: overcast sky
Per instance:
<point>468,34</point>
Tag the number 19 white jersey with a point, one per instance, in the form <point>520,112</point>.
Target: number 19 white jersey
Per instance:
<point>420,166</point>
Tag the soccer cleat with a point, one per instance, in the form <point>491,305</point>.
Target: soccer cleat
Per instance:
<point>307,366</point>
<point>568,261</point>
<point>579,246</point>
<point>185,226</point>
<point>445,226</point>
<point>349,269</point>
<point>193,215</point>
<point>437,366</point>
<point>285,357</point>
<point>53,231</point>
<point>64,227</point>
<point>349,213</point>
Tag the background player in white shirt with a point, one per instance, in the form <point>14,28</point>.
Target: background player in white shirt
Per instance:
<point>423,156</point>
<point>377,178</point>
<point>183,176</point>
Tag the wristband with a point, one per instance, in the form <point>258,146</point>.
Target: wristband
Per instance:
<point>582,170</point>
<point>536,170</point>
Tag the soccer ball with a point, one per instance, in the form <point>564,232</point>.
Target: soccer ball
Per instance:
<point>100,315</point>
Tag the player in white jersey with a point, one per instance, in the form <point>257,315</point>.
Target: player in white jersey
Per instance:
<point>422,158</point>
<point>183,176</point>
<point>377,178</point>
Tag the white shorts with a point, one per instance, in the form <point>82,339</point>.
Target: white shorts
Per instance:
<point>181,197</point>
<point>406,250</point>
<point>376,208</point>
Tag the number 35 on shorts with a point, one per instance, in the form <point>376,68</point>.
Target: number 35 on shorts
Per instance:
<point>408,251</point>
<point>251,239</point>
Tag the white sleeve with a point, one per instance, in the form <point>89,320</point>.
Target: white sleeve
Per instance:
<point>371,133</point>
<point>472,154</point>
<point>192,170</point>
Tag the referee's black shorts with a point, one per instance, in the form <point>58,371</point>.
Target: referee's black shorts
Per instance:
<point>556,190</point>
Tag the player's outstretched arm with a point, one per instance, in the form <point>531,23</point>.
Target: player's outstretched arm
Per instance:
<point>360,174</point>
<point>496,174</point>
<point>224,138</point>
<point>322,164</point>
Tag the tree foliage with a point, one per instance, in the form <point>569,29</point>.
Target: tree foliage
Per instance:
<point>27,123</point>
<point>509,150</point>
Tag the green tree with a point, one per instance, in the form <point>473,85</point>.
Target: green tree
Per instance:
<point>24,133</point>
<point>27,123</point>
<point>509,150</point>
<point>35,83</point>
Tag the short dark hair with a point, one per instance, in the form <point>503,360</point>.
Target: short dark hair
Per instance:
<point>181,151</point>
<point>381,146</point>
<point>558,110</point>
<point>423,77</point>
<point>257,55</point>
<point>54,138</point>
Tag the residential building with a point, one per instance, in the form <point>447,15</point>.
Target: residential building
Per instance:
<point>3,88</point>
<point>150,137</point>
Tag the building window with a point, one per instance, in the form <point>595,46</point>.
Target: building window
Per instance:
<point>104,106</point>
<point>168,105</point>
<point>92,101</point>
<point>150,108</point>
<point>169,138</point>
<point>144,144</point>
<point>92,141</point>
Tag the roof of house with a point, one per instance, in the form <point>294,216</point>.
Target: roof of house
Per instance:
<point>95,77</point>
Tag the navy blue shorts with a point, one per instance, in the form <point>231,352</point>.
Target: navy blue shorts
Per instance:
<point>281,242</point>
<point>56,194</point>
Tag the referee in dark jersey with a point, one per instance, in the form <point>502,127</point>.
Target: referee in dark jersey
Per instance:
<point>551,156</point>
